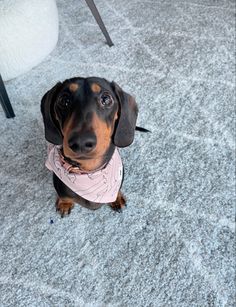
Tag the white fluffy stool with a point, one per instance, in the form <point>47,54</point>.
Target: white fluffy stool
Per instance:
<point>28,33</point>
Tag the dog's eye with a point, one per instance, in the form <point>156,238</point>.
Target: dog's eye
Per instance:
<point>64,101</point>
<point>106,100</point>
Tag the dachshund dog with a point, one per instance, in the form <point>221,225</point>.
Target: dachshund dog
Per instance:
<point>85,120</point>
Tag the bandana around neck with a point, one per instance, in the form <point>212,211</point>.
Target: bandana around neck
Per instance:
<point>100,186</point>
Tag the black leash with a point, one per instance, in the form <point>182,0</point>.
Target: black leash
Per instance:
<point>141,129</point>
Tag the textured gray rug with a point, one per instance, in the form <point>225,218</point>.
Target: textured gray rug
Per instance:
<point>173,245</point>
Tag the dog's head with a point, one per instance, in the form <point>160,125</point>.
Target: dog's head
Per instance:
<point>88,116</point>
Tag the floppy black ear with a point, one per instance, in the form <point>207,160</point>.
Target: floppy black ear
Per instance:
<point>128,113</point>
<point>52,131</point>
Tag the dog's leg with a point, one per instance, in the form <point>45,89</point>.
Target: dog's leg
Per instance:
<point>64,206</point>
<point>67,198</point>
<point>119,203</point>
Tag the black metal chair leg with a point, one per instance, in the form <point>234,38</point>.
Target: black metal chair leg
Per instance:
<point>5,102</point>
<point>98,18</point>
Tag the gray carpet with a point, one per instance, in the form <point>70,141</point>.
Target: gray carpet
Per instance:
<point>173,245</point>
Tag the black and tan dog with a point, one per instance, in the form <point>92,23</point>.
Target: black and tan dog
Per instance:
<point>87,118</point>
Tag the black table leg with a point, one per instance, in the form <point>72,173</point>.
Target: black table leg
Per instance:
<point>5,102</point>
<point>98,18</point>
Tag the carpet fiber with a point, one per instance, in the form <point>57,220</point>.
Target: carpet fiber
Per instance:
<point>173,245</point>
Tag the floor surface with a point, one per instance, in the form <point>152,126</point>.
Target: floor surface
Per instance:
<point>174,244</point>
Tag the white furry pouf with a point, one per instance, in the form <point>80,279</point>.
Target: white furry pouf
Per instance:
<point>28,33</point>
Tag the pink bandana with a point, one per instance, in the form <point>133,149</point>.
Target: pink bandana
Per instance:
<point>100,186</point>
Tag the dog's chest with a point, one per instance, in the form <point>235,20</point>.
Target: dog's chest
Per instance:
<point>101,186</point>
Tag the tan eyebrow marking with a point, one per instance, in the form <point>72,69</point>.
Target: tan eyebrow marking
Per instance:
<point>96,88</point>
<point>73,87</point>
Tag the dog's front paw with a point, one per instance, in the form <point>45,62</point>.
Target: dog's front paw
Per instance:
<point>119,204</point>
<point>64,207</point>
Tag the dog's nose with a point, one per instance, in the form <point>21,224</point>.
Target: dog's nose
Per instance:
<point>83,143</point>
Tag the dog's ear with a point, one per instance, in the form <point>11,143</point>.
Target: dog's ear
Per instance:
<point>52,130</point>
<point>128,113</point>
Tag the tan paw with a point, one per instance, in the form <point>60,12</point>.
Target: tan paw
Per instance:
<point>64,206</point>
<point>119,204</point>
